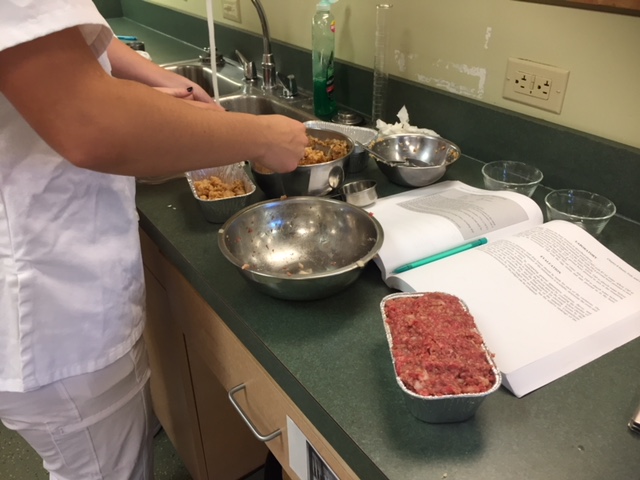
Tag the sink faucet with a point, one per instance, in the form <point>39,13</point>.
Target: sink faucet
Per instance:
<point>248,67</point>
<point>268,65</point>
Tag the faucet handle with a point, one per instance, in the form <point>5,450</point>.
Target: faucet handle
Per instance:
<point>206,58</point>
<point>289,85</point>
<point>248,67</point>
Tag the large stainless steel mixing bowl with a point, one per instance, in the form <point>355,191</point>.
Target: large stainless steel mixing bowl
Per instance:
<point>300,248</point>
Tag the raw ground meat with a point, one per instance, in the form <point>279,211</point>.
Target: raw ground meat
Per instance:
<point>437,348</point>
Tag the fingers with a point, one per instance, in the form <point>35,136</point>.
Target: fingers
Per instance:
<point>185,93</point>
<point>207,106</point>
<point>193,96</point>
<point>200,94</point>
<point>288,140</point>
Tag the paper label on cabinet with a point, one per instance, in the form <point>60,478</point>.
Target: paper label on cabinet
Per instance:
<point>304,460</point>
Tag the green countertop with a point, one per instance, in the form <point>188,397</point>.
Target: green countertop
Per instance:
<point>331,357</point>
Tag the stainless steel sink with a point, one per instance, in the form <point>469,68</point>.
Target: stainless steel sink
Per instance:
<point>238,95</point>
<point>268,104</point>
<point>229,76</point>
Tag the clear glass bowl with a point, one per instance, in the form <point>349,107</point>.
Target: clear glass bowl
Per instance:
<point>588,210</point>
<point>509,175</point>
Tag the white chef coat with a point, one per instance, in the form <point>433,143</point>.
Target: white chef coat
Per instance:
<point>71,282</point>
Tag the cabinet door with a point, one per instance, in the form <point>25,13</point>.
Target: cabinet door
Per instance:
<point>208,434</point>
<point>171,389</point>
<point>262,400</point>
<point>230,449</point>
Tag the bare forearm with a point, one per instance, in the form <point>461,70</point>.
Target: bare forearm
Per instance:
<point>123,127</point>
<point>142,132</point>
<point>127,64</point>
<point>133,130</point>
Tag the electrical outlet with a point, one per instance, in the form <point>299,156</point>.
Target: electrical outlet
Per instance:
<point>231,10</point>
<point>535,84</point>
<point>523,82</point>
<point>541,87</point>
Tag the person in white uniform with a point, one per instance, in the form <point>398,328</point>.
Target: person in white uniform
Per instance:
<point>78,122</point>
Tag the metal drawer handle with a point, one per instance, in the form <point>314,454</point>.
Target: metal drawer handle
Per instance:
<point>634,423</point>
<point>254,430</point>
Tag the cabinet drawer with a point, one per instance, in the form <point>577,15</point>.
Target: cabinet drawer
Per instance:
<point>262,400</point>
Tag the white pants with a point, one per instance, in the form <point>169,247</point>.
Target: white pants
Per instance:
<point>95,426</point>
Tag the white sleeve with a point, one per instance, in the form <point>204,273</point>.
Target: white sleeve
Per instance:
<point>25,20</point>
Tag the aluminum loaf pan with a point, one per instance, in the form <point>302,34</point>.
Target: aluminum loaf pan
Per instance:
<point>444,408</point>
<point>219,210</point>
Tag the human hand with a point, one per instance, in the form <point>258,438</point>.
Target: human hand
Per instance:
<point>207,106</point>
<point>128,65</point>
<point>196,92</point>
<point>188,95</point>
<point>199,93</point>
<point>185,93</point>
<point>286,141</point>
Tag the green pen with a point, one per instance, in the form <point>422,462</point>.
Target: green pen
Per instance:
<point>438,256</point>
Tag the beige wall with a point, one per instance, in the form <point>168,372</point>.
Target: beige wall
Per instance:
<point>462,46</point>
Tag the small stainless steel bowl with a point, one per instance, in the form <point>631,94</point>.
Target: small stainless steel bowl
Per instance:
<point>219,210</point>
<point>359,193</point>
<point>437,152</point>
<point>307,180</point>
<point>300,248</point>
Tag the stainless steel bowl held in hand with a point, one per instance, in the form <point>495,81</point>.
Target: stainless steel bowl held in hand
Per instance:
<point>316,179</point>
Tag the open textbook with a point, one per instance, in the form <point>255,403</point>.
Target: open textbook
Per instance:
<point>547,298</point>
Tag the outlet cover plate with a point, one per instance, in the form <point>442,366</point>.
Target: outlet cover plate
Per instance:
<point>535,84</point>
<point>231,10</point>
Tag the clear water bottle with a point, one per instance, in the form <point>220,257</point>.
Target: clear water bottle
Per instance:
<point>323,28</point>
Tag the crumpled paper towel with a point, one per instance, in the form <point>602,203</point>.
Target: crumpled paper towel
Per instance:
<point>403,126</point>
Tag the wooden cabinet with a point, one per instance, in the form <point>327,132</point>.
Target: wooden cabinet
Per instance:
<point>193,408</point>
<point>170,379</point>
<point>230,449</point>
<point>196,393</point>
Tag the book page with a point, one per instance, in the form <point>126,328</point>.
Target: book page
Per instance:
<point>546,300</point>
<point>425,221</point>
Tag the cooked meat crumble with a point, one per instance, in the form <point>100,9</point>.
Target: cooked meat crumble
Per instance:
<point>213,188</point>
<point>317,151</point>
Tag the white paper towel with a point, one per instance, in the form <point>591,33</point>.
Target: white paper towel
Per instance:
<point>403,126</point>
